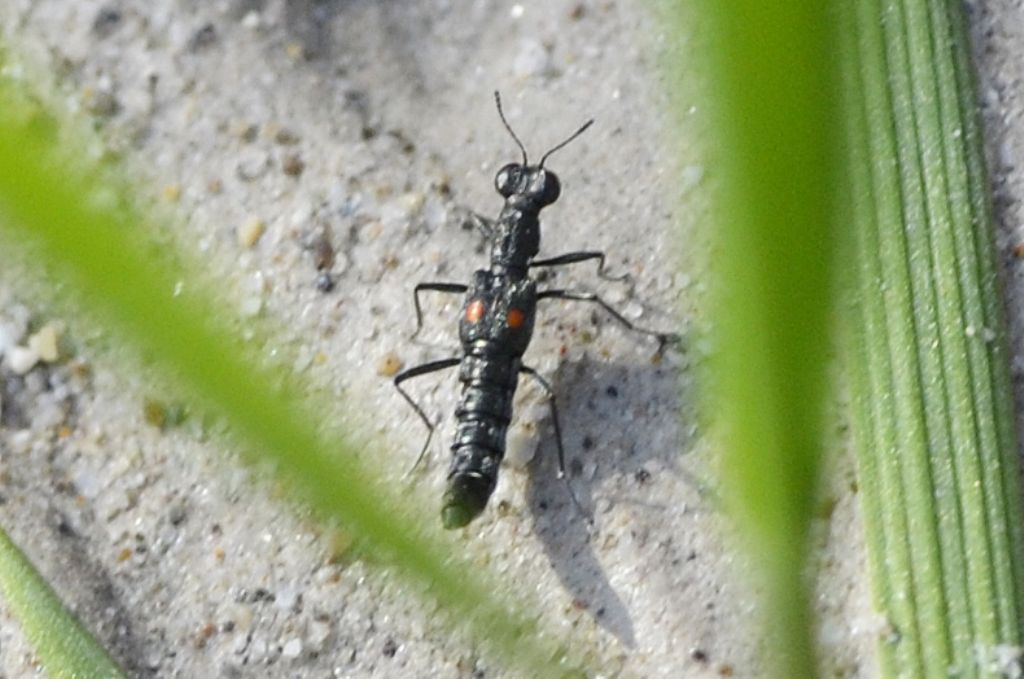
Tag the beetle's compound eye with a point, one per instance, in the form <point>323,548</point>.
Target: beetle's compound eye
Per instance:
<point>551,188</point>
<point>507,179</point>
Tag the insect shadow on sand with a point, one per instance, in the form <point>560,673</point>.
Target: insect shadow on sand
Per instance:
<point>612,434</point>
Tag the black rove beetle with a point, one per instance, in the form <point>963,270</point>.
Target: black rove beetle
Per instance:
<point>495,328</point>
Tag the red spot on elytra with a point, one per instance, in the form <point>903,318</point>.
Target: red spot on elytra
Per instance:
<point>514,318</point>
<point>475,311</point>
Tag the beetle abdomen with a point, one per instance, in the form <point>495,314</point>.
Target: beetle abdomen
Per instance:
<point>483,415</point>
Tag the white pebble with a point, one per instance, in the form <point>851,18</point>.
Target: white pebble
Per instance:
<point>250,231</point>
<point>292,649</point>
<point>521,444</point>
<point>317,634</point>
<point>21,359</point>
<point>21,441</point>
<point>286,597</point>
<point>532,60</point>
<point>520,447</point>
<point>252,296</point>
<point>87,483</point>
<point>615,296</point>
<point>252,165</point>
<point>252,20</point>
<point>258,650</point>
<point>44,343</point>
<point>242,616</point>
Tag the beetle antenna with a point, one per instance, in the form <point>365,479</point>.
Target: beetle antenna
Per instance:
<point>497,100</point>
<point>573,136</point>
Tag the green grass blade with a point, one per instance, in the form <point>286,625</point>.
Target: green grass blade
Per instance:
<point>83,228</point>
<point>773,121</point>
<point>926,348</point>
<point>64,647</point>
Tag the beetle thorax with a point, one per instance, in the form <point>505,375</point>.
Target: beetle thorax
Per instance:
<point>515,241</point>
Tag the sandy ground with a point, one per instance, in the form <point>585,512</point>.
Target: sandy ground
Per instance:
<point>370,126</point>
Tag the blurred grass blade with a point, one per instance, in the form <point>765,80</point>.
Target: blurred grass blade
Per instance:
<point>64,647</point>
<point>926,349</point>
<point>84,229</point>
<point>773,118</point>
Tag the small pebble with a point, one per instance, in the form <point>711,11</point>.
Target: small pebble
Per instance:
<point>244,130</point>
<point>324,282</point>
<point>389,365</point>
<point>44,343</point>
<point>521,445</point>
<point>250,231</point>
<point>251,305</point>
<point>252,165</point>
<point>317,634</point>
<point>258,650</point>
<point>205,632</point>
<point>292,649</point>
<point>171,193</point>
<point>87,482</point>
<point>252,20</point>
<point>286,137</point>
<point>323,249</point>
<point>21,359</point>
<point>286,598</point>
<point>292,165</point>
<point>533,59</point>
<point>154,412</point>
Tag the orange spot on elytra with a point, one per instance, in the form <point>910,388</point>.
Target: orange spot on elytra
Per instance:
<point>475,311</point>
<point>514,318</point>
